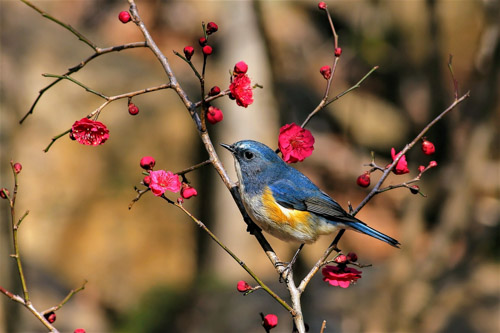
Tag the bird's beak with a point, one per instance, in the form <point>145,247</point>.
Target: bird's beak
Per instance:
<point>228,147</point>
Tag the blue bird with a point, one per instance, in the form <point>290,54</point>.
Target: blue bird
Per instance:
<point>284,202</point>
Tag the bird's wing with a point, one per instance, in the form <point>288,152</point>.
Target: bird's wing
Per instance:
<point>305,196</point>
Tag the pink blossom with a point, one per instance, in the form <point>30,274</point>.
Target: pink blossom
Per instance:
<point>402,166</point>
<point>162,181</point>
<point>340,276</point>
<point>241,89</point>
<point>295,143</point>
<point>89,132</point>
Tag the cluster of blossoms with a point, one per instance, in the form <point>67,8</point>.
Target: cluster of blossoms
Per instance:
<point>160,181</point>
<point>341,275</point>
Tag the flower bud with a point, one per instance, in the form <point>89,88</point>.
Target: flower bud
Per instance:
<point>79,330</point>
<point>203,41</point>
<point>240,68</point>
<point>180,200</point>
<point>322,5</point>
<point>147,180</point>
<point>133,109</point>
<point>421,168</point>
<point>4,193</point>
<point>340,259</point>
<point>432,164</point>
<point>147,163</point>
<point>243,287</point>
<point>270,321</point>
<point>414,189</point>
<point>50,316</point>
<point>188,191</point>
<point>124,17</point>
<point>188,52</point>
<point>17,167</point>
<point>207,50</point>
<point>428,147</point>
<point>214,91</point>
<point>326,71</point>
<point>211,28</point>
<point>364,179</point>
<point>338,51</point>
<point>214,115</point>
<point>352,257</point>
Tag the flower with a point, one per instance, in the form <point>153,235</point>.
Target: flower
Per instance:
<point>133,109</point>
<point>364,179</point>
<point>270,321</point>
<point>188,52</point>
<point>428,147</point>
<point>89,132</point>
<point>211,28</point>
<point>207,50</point>
<point>18,167</point>
<point>188,191</point>
<point>295,143</point>
<point>338,51</point>
<point>326,71</point>
<point>243,286</point>
<point>402,166</point>
<point>240,68</point>
<point>339,276</point>
<point>147,163</point>
<point>124,17</point>
<point>214,115</point>
<point>162,181</point>
<point>241,89</point>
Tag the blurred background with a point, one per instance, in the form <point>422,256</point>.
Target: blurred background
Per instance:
<point>150,269</point>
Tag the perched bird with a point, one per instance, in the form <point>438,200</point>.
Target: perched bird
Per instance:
<point>284,202</point>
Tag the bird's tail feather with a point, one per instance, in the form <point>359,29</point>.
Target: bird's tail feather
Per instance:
<point>363,228</point>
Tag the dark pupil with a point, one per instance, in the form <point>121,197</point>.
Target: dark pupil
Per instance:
<point>248,155</point>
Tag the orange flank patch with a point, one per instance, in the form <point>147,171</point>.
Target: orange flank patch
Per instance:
<point>281,215</point>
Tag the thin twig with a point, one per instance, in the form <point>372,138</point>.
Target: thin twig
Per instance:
<point>66,299</point>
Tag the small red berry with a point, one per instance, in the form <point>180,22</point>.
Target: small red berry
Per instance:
<point>203,41</point>
<point>432,164</point>
<point>133,109</point>
<point>421,169</point>
<point>17,167</point>
<point>124,17</point>
<point>188,52</point>
<point>214,115</point>
<point>352,257</point>
<point>341,259</point>
<point>364,179</point>
<point>428,147</point>
<point>338,51</point>
<point>322,5</point>
<point>270,321</point>
<point>240,68</point>
<point>51,316</point>
<point>414,189</point>
<point>188,191</point>
<point>243,287</point>
<point>211,28</point>
<point>4,193</point>
<point>147,163</point>
<point>147,180</point>
<point>214,91</point>
<point>326,71</point>
<point>207,50</point>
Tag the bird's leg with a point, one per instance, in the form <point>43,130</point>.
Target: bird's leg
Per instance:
<point>288,266</point>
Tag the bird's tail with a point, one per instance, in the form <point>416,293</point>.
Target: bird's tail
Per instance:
<point>363,228</point>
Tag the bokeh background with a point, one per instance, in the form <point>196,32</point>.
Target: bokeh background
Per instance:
<point>150,269</point>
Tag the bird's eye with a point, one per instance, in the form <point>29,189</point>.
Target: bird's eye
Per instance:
<point>248,155</point>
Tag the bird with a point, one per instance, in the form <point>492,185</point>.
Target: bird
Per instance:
<point>286,203</point>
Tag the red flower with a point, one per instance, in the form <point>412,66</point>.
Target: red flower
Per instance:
<point>188,191</point>
<point>241,89</point>
<point>162,181</point>
<point>214,115</point>
<point>402,166</point>
<point>340,276</point>
<point>242,286</point>
<point>89,132</point>
<point>270,321</point>
<point>295,143</point>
